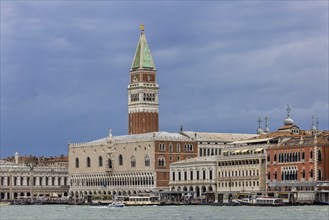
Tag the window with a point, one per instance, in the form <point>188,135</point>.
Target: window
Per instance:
<point>274,157</point>
<point>170,148</point>
<point>76,162</point>
<point>303,173</point>
<point>148,97</point>
<point>147,161</point>
<point>319,156</point>
<point>303,156</point>
<point>173,176</point>
<point>161,162</point>
<point>100,161</point>
<point>162,147</point>
<point>189,147</point>
<point>210,174</point>
<point>179,176</point>
<point>197,174</point>
<point>134,97</point>
<point>110,163</point>
<point>178,148</point>
<point>170,157</point>
<point>191,175</point>
<point>88,161</point>
<point>120,160</point>
<point>132,161</point>
<point>204,174</point>
<point>185,175</point>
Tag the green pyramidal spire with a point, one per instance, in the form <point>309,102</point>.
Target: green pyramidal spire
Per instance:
<point>143,58</point>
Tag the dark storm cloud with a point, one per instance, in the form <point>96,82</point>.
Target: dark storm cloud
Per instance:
<point>65,67</point>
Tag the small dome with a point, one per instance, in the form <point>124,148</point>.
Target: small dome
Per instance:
<point>266,130</point>
<point>288,121</point>
<point>260,131</point>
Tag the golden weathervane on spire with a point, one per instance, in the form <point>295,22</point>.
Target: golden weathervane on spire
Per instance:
<point>141,27</point>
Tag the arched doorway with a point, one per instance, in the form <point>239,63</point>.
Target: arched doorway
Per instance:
<point>197,189</point>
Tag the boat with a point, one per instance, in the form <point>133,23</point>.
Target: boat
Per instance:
<point>262,201</point>
<point>143,200</point>
<point>269,201</point>
<point>117,205</point>
<point>245,201</point>
<point>322,198</point>
<point>5,203</point>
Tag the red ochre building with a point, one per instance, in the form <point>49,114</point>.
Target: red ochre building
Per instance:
<point>299,164</point>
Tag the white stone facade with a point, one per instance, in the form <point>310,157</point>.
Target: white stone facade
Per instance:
<point>195,174</point>
<point>20,181</point>
<point>122,165</point>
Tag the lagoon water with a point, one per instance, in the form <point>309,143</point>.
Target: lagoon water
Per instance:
<point>67,212</point>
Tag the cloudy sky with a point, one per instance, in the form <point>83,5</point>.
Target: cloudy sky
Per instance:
<point>221,64</point>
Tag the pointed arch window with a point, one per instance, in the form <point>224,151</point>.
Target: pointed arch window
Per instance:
<point>319,155</point>
<point>120,160</point>
<point>170,147</point>
<point>77,163</point>
<point>178,148</point>
<point>161,161</point>
<point>319,175</point>
<point>100,161</point>
<point>147,161</point>
<point>110,163</point>
<point>88,162</point>
<point>132,161</point>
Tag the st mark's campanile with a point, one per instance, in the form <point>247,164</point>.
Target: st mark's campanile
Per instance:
<point>143,102</point>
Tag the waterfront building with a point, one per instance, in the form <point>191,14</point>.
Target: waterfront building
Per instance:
<point>299,164</point>
<point>195,176</point>
<point>31,181</point>
<point>126,165</point>
<point>198,175</point>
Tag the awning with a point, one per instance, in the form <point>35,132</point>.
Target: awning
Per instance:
<point>237,151</point>
<point>258,149</point>
<point>245,150</point>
